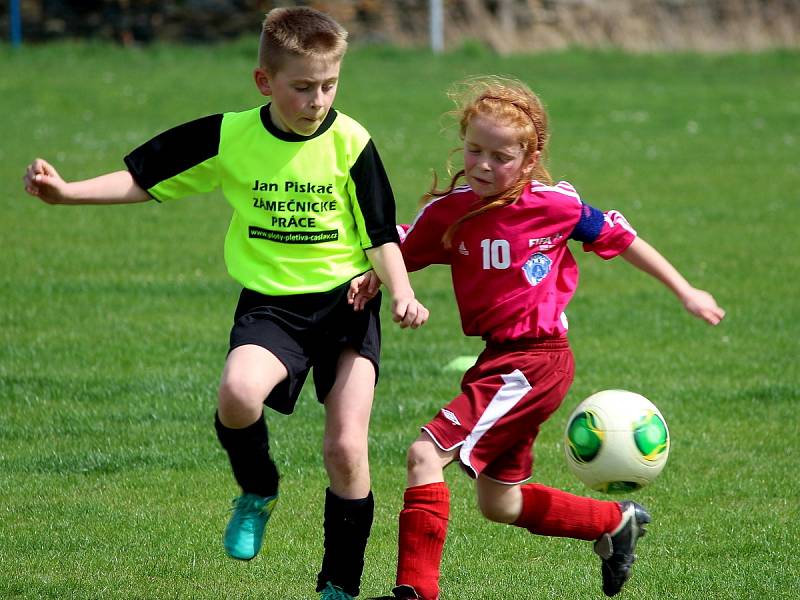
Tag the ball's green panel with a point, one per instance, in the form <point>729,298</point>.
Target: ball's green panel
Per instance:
<point>651,437</point>
<point>585,437</point>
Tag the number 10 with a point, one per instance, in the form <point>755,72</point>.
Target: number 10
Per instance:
<point>496,254</point>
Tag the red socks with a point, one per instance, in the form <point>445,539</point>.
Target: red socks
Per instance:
<point>423,528</point>
<point>548,511</point>
<point>545,511</point>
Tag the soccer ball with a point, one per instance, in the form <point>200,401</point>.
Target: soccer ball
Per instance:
<point>616,441</point>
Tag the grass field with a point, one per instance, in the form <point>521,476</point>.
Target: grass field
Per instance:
<point>114,328</point>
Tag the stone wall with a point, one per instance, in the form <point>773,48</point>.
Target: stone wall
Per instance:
<point>503,25</point>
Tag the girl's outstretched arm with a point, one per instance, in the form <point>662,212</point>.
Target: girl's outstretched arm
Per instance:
<point>698,302</point>
<point>43,181</point>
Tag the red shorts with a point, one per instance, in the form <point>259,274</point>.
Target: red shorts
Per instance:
<point>505,397</point>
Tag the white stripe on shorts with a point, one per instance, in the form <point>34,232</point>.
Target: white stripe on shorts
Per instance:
<point>514,389</point>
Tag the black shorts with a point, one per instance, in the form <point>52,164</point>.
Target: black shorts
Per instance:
<point>304,331</point>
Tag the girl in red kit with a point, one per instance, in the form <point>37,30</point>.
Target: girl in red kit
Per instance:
<point>504,233</point>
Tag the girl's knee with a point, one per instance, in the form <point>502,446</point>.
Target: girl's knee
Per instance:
<point>496,511</point>
<point>499,503</point>
<point>425,462</point>
<point>420,455</point>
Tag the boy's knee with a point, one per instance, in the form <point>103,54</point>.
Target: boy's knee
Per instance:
<point>239,390</point>
<point>344,454</point>
<point>240,400</point>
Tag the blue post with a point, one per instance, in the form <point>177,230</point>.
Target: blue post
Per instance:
<point>15,23</point>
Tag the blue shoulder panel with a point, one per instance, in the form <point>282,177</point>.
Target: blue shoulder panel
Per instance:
<point>589,226</point>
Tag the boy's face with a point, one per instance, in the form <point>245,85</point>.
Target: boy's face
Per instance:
<point>302,91</point>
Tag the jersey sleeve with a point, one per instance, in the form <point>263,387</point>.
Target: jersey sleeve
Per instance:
<point>180,161</point>
<point>373,200</point>
<point>422,240</point>
<point>607,234</point>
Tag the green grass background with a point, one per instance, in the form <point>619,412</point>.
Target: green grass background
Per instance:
<point>114,325</point>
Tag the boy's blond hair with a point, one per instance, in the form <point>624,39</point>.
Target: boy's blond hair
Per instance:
<point>299,31</point>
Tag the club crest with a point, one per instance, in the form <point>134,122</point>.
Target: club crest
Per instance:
<point>536,268</point>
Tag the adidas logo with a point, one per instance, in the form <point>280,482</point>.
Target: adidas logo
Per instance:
<point>462,249</point>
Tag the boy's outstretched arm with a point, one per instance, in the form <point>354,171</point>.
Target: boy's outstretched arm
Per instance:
<point>387,260</point>
<point>698,302</point>
<point>43,181</point>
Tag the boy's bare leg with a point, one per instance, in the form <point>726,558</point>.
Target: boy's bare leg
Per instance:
<point>348,501</point>
<point>250,374</point>
<point>347,412</point>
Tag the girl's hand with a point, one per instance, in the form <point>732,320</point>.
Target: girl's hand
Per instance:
<point>363,289</point>
<point>702,305</point>
<point>43,181</point>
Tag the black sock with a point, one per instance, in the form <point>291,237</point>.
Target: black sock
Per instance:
<point>347,526</point>
<point>248,452</point>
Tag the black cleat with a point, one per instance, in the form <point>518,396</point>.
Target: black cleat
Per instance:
<point>401,592</point>
<point>405,592</point>
<point>615,549</point>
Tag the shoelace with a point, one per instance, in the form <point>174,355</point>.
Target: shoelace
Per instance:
<point>247,505</point>
<point>244,511</point>
<point>332,592</point>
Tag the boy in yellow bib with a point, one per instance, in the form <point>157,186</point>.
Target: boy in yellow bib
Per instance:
<point>312,211</point>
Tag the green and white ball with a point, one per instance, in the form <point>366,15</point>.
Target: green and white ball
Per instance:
<point>616,441</point>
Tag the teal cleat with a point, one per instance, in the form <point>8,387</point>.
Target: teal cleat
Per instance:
<point>334,592</point>
<point>245,531</point>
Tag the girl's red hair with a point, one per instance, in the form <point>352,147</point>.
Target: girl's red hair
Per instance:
<point>510,103</point>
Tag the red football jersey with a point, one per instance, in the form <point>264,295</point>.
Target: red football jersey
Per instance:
<point>513,274</point>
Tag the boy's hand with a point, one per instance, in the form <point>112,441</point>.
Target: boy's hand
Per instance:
<point>363,289</point>
<point>409,312</point>
<point>702,305</point>
<point>43,181</point>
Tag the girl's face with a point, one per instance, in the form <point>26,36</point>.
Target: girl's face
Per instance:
<point>302,91</point>
<point>493,156</point>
